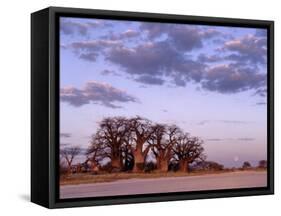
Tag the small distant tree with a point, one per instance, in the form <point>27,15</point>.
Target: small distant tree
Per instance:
<point>216,166</point>
<point>262,164</point>
<point>246,165</point>
<point>69,154</point>
<point>208,165</point>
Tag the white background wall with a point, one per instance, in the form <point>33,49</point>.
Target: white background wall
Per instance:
<point>15,106</point>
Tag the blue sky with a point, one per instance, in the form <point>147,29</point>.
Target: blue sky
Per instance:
<point>208,80</point>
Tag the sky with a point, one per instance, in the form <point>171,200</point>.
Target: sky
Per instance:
<point>208,80</point>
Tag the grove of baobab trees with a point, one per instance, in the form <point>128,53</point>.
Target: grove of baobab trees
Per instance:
<point>128,143</point>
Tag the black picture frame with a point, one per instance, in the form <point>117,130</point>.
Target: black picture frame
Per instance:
<point>45,107</point>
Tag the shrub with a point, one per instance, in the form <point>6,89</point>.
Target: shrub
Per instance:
<point>150,166</point>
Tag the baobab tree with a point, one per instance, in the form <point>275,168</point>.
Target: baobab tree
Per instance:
<point>109,139</point>
<point>161,143</point>
<point>69,154</point>
<point>95,153</point>
<point>141,131</point>
<point>246,165</point>
<point>187,150</point>
<point>262,164</point>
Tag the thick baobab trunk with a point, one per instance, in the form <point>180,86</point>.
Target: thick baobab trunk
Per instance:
<point>139,160</point>
<point>69,171</point>
<point>184,166</point>
<point>115,164</point>
<point>158,163</point>
<point>162,164</point>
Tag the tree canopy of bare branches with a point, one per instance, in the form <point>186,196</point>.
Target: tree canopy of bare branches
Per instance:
<point>126,142</point>
<point>262,164</point>
<point>161,143</point>
<point>246,165</point>
<point>187,150</point>
<point>69,154</point>
<point>109,139</point>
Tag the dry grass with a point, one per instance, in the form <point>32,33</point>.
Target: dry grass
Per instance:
<point>87,178</point>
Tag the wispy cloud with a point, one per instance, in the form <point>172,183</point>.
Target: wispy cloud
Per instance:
<point>234,122</point>
<point>261,92</point>
<point>109,72</point>
<point>246,139</point>
<point>214,139</point>
<point>261,103</point>
<point>95,92</point>
<point>65,135</point>
<point>150,80</point>
<point>64,144</point>
<point>204,122</point>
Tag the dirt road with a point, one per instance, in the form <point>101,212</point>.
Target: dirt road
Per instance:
<point>168,184</point>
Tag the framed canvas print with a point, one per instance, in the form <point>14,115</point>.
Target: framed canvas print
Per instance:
<point>138,107</point>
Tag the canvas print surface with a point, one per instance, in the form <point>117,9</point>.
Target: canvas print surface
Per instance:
<point>150,107</point>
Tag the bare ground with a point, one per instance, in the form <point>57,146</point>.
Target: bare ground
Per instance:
<point>227,180</point>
